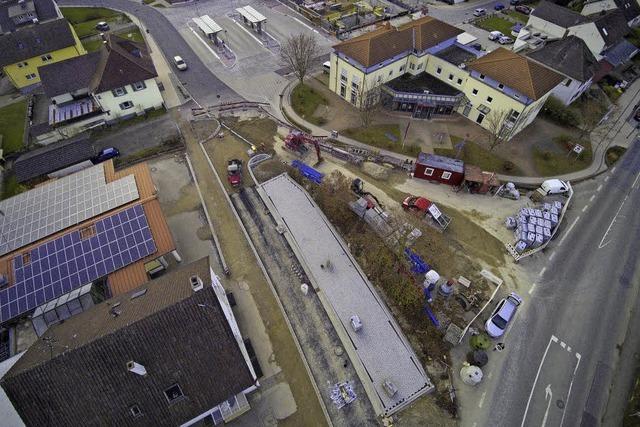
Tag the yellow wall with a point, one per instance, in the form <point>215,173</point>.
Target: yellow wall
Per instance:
<point>18,75</point>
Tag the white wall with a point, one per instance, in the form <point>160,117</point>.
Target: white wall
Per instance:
<point>591,36</point>
<point>568,94</point>
<point>145,99</point>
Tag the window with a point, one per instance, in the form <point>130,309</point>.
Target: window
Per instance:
<point>119,91</point>
<point>138,86</point>
<point>420,66</point>
<point>428,172</point>
<point>474,91</point>
<point>135,411</point>
<point>568,82</point>
<point>46,58</point>
<point>451,77</point>
<point>30,76</point>
<point>378,79</point>
<point>390,72</point>
<point>126,105</point>
<point>439,70</point>
<point>516,96</point>
<point>402,68</point>
<point>173,393</point>
<point>489,99</point>
<point>459,81</point>
<point>354,85</point>
<point>412,66</point>
<point>22,64</point>
<point>481,76</point>
<point>446,175</point>
<point>500,86</point>
<point>343,77</point>
<point>343,90</point>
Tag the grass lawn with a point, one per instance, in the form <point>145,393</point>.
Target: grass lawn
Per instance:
<point>10,187</point>
<point>382,136</point>
<point>148,1</point>
<point>548,163</point>
<point>84,19</point>
<point>134,35</point>
<point>260,132</point>
<point>477,155</point>
<point>520,17</point>
<point>305,101</point>
<point>92,45</point>
<point>158,5</point>
<point>12,126</point>
<point>495,23</point>
<point>613,155</point>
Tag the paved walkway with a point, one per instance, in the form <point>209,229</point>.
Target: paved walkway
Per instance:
<point>616,129</point>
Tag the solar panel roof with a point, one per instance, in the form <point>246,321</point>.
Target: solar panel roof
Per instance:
<point>38,213</point>
<point>59,266</point>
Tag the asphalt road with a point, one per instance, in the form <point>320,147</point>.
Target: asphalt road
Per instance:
<point>564,347</point>
<point>463,12</point>
<point>203,85</point>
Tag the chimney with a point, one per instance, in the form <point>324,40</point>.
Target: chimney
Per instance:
<point>196,283</point>
<point>136,368</point>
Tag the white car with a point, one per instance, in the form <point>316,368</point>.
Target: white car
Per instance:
<point>553,186</point>
<point>502,315</point>
<point>180,64</point>
<point>480,12</point>
<point>495,35</point>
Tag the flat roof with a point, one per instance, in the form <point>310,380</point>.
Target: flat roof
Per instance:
<point>207,25</point>
<point>380,345</point>
<point>441,162</point>
<point>423,83</point>
<point>251,14</point>
<point>457,55</point>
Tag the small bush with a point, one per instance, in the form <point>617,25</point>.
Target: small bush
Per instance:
<point>508,166</point>
<point>480,342</point>
<point>556,111</point>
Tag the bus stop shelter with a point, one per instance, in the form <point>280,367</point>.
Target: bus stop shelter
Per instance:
<point>209,27</point>
<point>252,17</point>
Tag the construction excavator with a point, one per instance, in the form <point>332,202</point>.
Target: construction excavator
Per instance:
<point>357,186</point>
<point>298,141</point>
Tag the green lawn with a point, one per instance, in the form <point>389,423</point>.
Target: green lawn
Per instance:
<point>134,35</point>
<point>12,119</point>
<point>548,163</point>
<point>613,155</point>
<point>84,19</point>
<point>382,136</point>
<point>159,5</point>
<point>486,160</point>
<point>520,17</point>
<point>495,23</point>
<point>10,186</point>
<point>305,101</point>
<point>92,45</point>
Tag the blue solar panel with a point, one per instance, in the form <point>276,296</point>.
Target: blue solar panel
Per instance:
<point>62,265</point>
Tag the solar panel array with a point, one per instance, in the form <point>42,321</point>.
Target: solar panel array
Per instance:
<point>38,213</point>
<point>69,262</point>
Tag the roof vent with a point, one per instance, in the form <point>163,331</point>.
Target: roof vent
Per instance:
<point>136,368</point>
<point>35,20</point>
<point>196,283</point>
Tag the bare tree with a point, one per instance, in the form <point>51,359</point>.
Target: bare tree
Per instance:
<point>298,51</point>
<point>502,126</point>
<point>369,101</point>
<point>592,113</point>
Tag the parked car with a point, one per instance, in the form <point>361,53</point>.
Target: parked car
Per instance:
<point>495,35</point>
<point>514,2</point>
<point>505,40</point>
<point>478,46</point>
<point>523,9</point>
<point>234,172</point>
<point>180,64</point>
<point>498,6</point>
<point>553,186</point>
<point>105,154</point>
<point>480,12</point>
<point>102,26</point>
<point>502,315</point>
<point>636,116</point>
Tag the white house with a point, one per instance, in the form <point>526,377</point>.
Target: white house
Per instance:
<point>629,8</point>
<point>117,82</point>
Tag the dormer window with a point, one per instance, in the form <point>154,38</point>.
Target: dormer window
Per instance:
<point>119,91</point>
<point>481,76</point>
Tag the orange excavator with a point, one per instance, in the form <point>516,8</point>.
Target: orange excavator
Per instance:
<point>297,141</point>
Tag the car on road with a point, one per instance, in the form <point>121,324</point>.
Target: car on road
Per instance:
<point>503,313</point>
<point>102,26</point>
<point>179,62</point>
<point>105,154</point>
<point>523,9</point>
<point>498,6</point>
<point>495,35</point>
<point>505,40</point>
<point>480,12</point>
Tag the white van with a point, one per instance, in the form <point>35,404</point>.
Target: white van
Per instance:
<point>326,67</point>
<point>495,35</point>
<point>553,186</point>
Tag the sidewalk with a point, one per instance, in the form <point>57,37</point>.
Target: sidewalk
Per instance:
<point>615,130</point>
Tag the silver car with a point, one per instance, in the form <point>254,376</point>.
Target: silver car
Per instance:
<point>502,315</point>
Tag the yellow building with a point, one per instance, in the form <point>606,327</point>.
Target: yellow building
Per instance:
<point>421,69</point>
<point>26,49</point>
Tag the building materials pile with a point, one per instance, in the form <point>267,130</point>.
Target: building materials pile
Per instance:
<point>534,226</point>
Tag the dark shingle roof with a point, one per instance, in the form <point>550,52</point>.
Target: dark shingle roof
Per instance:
<point>612,26</point>
<point>558,15</point>
<point>629,8</point>
<point>76,374</point>
<point>35,40</point>
<point>52,158</point>
<point>45,11</point>
<point>517,72</point>
<point>70,75</point>
<point>122,62</point>
<point>386,42</point>
<point>570,56</point>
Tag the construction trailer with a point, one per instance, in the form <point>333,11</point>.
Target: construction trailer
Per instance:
<point>445,170</point>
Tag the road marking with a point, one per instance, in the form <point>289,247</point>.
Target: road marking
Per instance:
<point>482,399</point>
<point>601,245</point>
<point>302,23</point>
<point>599,187</point>
<point>248,32</point>
<point>548,395</point>
<point>566,401</point>
<point>542,271</point>
<point>532,288</point>
<point>569,230</point>
<point>204,43</point>
<point>613,169</point>
<point>635,181</point>
<point>585,208</point>
<point>569,349</point>
<point>535,381</point>
<point>490,375</point>
<point>552,255</point>
<point>562,344</point>
<point>606,178</point>
<point>474,424</point>
<point>592,197</point>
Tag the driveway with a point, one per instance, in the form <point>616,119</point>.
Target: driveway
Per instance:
<point>203,85</point>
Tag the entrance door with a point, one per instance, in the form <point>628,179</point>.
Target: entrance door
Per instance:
<point>480,118</point>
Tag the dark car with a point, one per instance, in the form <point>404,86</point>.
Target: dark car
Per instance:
<point>498,6</point>
<point>636,116</point>
<point>105,154</point>
<point>523,9</point>
<point>514,2</point>
<point>102,26</point>
<point>476,46</point>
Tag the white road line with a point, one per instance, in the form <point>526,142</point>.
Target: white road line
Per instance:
<point>591,198</point>
<point>562,344</point>
<point>635,181</point>
<point>542,271</point>
<point>552,255</point>
<point>601,245</point>
<point>613,169</point>
<point>532,288</point>
<point>606,178</point>
<point>474,424</point>
<point>204,43</point>
<point>585,208</point>
<point>249,32</point>
<point>302,23</point>
<point>566,401</point>
<point>482,399</point>
<point>490,375</point>
<point>569,349</point>
<point>599,187</point>
<point>569,230</point>
<point>535,381</point>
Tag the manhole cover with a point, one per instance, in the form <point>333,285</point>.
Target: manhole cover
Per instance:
<point>338,350</point>
<point>560,403</point>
